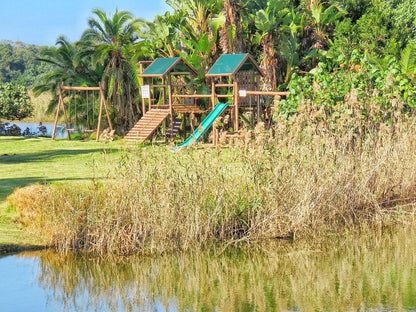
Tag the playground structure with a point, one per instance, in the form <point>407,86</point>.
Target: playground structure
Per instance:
<point>235,83</point>
<point>61,105</point>
<point>169,94</point>
<point>164,77</point>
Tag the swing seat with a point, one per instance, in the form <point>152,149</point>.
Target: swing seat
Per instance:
<point>72,129</point>
<point>90,131</point>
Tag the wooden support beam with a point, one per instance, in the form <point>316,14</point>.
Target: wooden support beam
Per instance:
<point>170,102</point>
<point>230,85</point>
<point>247,120</point>
<point>235,100</point>
<point>191,96</point>
<point>164,91</point>
<point>215,126</point>
<point>57,112</point>
<point>212,95</point>
<point>80,88</point>
<point>163,85</point>
<point>105,106</point>
<point>142,83</point>
<point>281,93</point>
<point>145,62</point>
<point>99,120</point>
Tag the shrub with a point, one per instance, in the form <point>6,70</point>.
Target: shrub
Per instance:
<point>14,102</point>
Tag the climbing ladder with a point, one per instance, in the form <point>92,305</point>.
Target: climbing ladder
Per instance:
<point>147,125</point>
<point>171,132</point>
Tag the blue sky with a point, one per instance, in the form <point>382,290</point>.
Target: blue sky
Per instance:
<point>42,21</point>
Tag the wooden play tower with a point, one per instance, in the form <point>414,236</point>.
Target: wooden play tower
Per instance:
<point>160,80</point>
<point>168,92</point>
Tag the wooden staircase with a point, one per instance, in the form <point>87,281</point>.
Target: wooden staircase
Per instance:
<point>147,125</point>
<point>176,126</point>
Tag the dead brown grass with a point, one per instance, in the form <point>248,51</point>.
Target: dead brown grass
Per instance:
<point>311,176</point>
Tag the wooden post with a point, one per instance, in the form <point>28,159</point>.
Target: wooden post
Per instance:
<point>258,108</point>
<point>105,106</point>
<point>142,83</point>
<point>212,95</point>
<point>100,114</point>
<point>170,102</point>
<point>57,112</point>
<point>152,94</point>
<point>193,89</point>
<point>65,115</point>
<point>235,98</point>
<point>215,126</point>
<point>163,91</point>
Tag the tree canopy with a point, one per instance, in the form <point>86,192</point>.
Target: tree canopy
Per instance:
<point>289,38</point>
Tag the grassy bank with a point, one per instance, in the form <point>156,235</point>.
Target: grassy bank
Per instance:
<point>306,180</point>
<point>28,160</point>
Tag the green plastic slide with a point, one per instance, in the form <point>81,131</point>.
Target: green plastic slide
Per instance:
<point>203,127</point>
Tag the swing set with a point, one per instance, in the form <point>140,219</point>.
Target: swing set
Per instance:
<point>61,105</point>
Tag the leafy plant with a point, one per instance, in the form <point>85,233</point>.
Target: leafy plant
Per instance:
<point>14,102</point>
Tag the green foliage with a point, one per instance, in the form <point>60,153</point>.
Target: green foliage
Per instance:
<point>14,102</point>
<point>114,43</point>
<point>382,84</point>
<point>18,63</point>
<point>326,38</point>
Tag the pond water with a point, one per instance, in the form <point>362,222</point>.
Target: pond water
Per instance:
<point>36,129</point>
<point>372,273</point>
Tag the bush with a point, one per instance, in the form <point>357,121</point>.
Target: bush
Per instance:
<point>378,87</point>
<point>14,102</point>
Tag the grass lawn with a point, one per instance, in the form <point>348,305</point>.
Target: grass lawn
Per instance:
<point>29,160</point>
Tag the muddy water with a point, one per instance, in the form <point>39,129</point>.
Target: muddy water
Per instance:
<point>374,272</point>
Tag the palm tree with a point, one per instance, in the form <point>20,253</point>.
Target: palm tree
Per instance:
<point>231,32</point>
<point>115,45</point>
<point>161,36</point>
<point>269,23</point>
<point>197,13</point>
<point>70,67</point>
<point>320,18</point>
<point>195,35</point>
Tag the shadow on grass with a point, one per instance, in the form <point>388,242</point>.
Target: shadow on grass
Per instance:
<point>11,139</point>
<point>47,155</point>
<point>8,185</point>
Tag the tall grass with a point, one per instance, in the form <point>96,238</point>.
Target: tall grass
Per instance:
<point>311,176</point>
<point>40,108</point>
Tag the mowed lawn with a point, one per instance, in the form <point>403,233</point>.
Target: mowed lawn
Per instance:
<point>28,160</point>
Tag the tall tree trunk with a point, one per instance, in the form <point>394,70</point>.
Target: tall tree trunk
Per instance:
<point>232,20</point>
<point>269,62</point>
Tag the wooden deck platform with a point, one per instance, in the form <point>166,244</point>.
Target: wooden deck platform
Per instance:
<point>187,108</point>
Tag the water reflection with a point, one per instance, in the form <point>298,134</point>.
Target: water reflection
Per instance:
<point>376,273</point>
<point>32,129</point>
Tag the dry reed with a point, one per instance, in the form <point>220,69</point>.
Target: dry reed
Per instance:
<point>312,176</point>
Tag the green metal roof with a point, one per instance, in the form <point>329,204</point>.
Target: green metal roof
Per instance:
<point>229,64</point>
<point>161,66</point>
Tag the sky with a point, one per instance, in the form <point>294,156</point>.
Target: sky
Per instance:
<point>42,21</point>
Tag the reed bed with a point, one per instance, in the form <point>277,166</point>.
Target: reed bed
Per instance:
<point>311,176</point>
